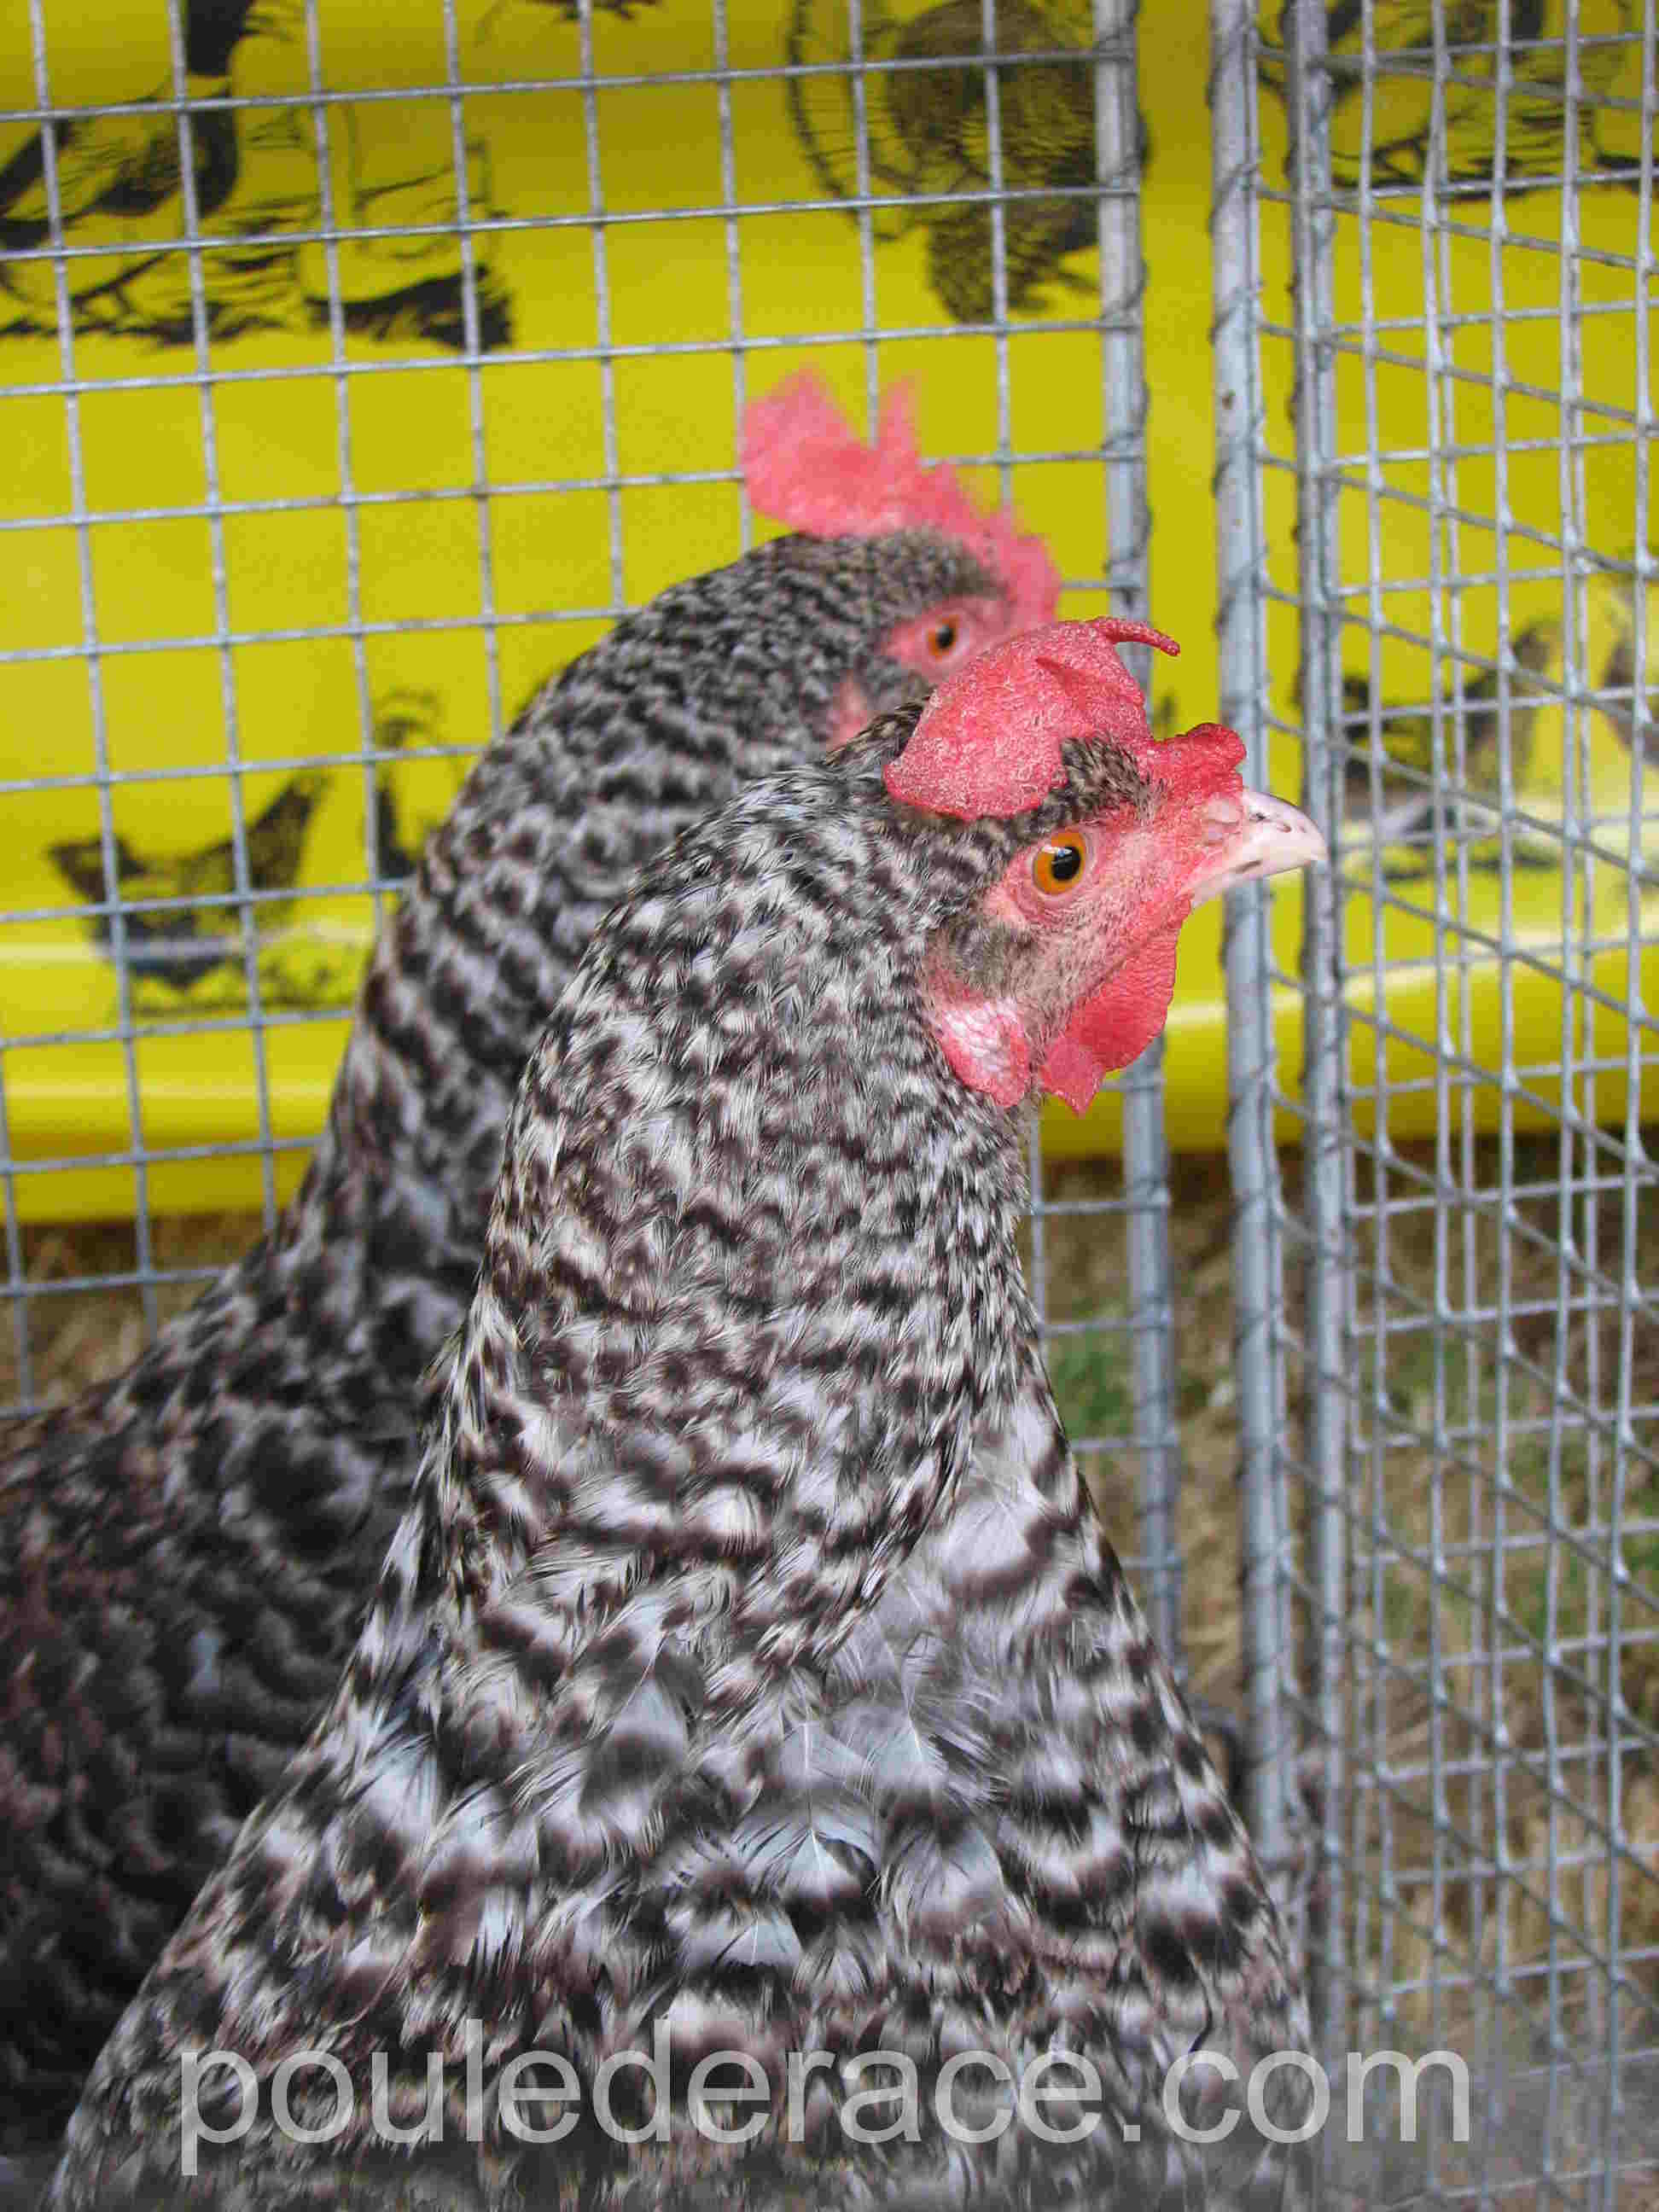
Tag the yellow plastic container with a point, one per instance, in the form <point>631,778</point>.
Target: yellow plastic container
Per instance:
<point>301,546</point>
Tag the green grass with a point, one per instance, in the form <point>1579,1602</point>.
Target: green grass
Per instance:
<point>1092,1384</point>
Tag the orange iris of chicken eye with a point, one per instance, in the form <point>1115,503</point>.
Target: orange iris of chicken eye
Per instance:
<point>942,640</point>
<point>1060,865</point>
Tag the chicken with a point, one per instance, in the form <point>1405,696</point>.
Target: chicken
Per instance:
<point>750,1674</point>
<point>185,1553</point>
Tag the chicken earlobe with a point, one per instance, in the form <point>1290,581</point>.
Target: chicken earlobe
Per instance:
<point>992,989</point>
<point>1247,838</point>
<point>981,1037</point>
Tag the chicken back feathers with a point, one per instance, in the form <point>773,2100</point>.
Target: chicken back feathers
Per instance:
<point>748,1674</point>
<point>185,1553</point>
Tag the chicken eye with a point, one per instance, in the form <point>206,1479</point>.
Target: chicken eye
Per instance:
<point>942,640</point>
<point>1059,865</point>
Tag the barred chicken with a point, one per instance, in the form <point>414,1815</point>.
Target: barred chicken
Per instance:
<point>749,1685</point>
<point>185,1553</point>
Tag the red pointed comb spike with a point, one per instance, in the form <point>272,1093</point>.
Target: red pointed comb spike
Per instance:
<point>989,740</point>
<point>1119,630</point>
<point>805,466</point>
<point>1206,750</point>
<point>1079,683</point>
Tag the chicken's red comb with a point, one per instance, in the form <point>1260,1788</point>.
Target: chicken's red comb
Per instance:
<point>989,740</point>
<point>804,466</point>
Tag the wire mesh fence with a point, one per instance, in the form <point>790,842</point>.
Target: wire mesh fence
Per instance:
<point>1464,1516</point>
<point>274,321</point>
<point>351,392</point>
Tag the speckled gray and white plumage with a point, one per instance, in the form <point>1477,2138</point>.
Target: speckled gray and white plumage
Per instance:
<point>185,1554</point>
<point>750,1658</point>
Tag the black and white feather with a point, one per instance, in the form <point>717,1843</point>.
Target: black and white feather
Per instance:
<point>185,1553</point>
<point>750,1668</point>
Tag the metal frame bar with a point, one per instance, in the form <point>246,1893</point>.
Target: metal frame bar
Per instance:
<point>1146,1147</point>
<point>1462,1875</point>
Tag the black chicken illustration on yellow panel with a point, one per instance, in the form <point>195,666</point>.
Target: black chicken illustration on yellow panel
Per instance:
<point>410,798</point>
<point>196,930</point>
<point>117,181</point>
<point>181,913</point>
<point>927,134</point>
<point>1393,796</point>
<point>1608,56</point>
<point>1400,795</point>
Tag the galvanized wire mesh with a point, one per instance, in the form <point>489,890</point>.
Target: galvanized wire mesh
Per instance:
<point>1445,1376</point>
<point>1454,1283</point>
<point>136,277</point>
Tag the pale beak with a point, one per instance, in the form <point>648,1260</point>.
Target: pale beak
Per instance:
<point>1251,835</point>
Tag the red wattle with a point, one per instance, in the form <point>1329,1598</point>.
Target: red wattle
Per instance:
<point>1116,1025</point>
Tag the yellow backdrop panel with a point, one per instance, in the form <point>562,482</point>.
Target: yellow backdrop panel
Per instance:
<point>195,578</point>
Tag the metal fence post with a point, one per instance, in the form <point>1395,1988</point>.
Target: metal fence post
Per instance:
<point>1240,563</point>
<point>1145,1150</point>
<point>1313,226</point>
